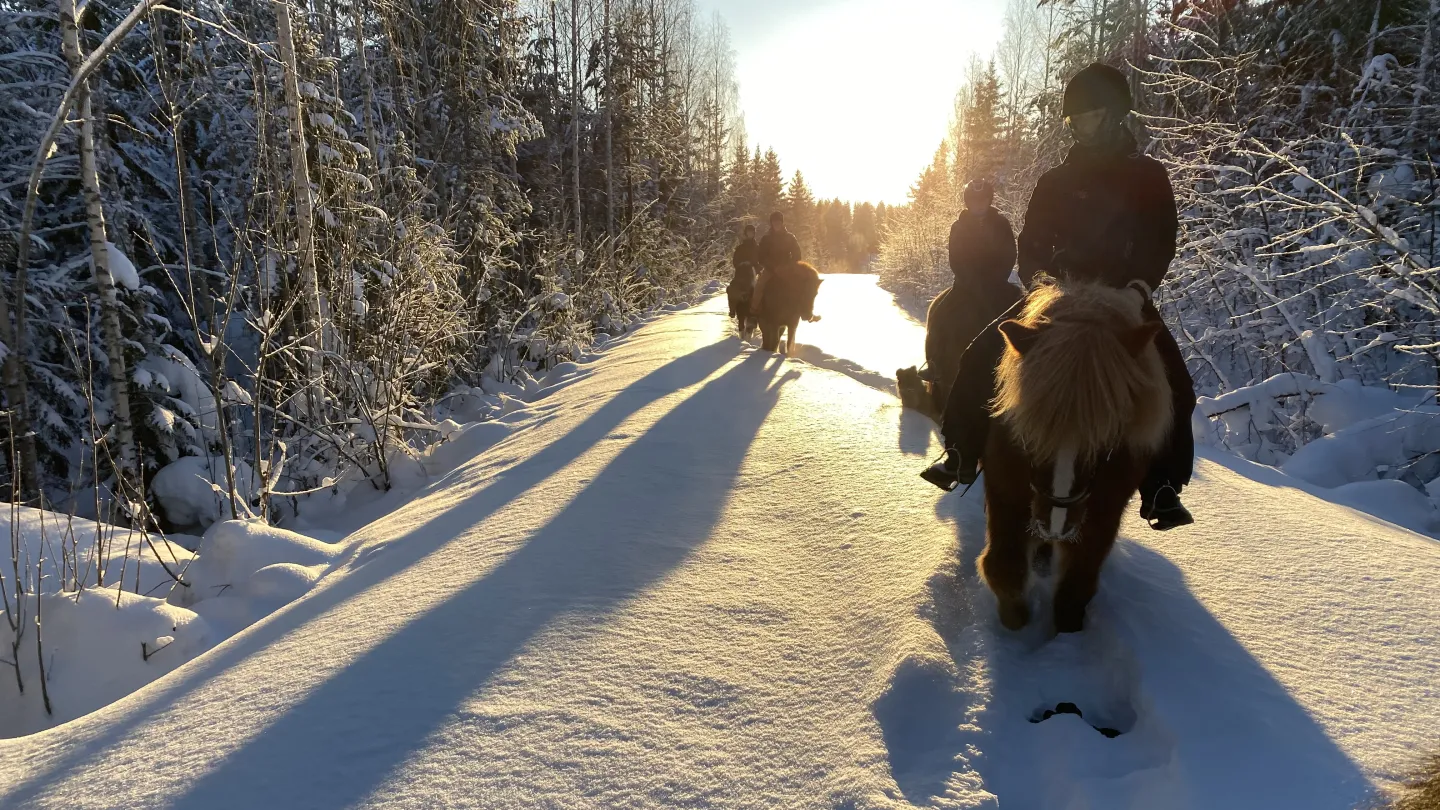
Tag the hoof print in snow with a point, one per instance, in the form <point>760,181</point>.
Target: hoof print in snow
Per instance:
<point>1071,708</point>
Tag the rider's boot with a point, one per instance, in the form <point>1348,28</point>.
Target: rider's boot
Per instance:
<point>1163,510</point>
<point>952,471</point>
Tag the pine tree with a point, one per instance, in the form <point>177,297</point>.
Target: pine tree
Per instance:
<point>769,182</point>
<point>799,210</point>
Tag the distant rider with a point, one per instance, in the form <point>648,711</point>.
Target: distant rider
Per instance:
<point>778,250</point>
<point>982,254</point>
<point>746,261</point>
<point>1107,213</point>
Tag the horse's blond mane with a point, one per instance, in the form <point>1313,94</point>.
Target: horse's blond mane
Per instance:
<point>1078,385</point>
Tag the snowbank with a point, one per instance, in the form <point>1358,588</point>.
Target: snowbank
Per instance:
<point>58,552</point>
<point>1379,452</point>
<point>234,555</point>
<point>102,643</point>
<point>192,492</point>
<point>98,645</point>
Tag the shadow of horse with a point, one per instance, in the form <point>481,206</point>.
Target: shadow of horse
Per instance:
<point>168,703</point>
<point>1176,662</point>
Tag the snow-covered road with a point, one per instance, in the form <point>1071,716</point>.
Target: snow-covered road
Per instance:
<point>699,575</point>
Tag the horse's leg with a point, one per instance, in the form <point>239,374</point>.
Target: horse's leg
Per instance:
<point>1005,563</point>
<point>1079,566</point>
<point>769,336</point>
<point>790,338</point>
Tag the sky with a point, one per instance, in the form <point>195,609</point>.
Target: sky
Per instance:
<point>855,94</point>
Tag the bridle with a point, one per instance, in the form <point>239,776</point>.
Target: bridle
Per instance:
<point>1078,498</point>
<point>1067,502</point>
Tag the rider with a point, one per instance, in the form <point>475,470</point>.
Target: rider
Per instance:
<point>745,260</point>
<point>982,253</point>
<point>778,248</point>
<point>1107,213</point>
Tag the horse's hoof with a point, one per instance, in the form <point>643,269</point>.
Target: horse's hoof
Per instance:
<point>1069,621</point>
<point>1014,615</point>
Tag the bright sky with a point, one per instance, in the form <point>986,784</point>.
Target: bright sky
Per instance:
<point>855,93</point>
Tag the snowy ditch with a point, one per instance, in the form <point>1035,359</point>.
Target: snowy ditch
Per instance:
<point>94,611</point>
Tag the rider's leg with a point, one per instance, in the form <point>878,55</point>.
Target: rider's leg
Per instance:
<point>1171,469</point>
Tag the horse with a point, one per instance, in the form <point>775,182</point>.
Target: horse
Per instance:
<point>1081,406</point>
<point>789,296</point>
<point>951,323</point>
<point>739,292</point>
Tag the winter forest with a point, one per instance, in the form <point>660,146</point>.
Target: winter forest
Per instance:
<point>256,255</point>
<point>475,189</point>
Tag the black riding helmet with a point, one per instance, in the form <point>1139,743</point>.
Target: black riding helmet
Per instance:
<point>979,192</point>
<point>1097,87</point>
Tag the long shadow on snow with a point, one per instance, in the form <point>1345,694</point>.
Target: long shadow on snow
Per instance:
<point>1190,667</point>
<point>81,748</point>
<point>639,518</point>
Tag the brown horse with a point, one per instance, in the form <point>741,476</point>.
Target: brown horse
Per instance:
<point>789,296</point>
<point>1081,406</point>
<point>739,291</point>
<point>951,323</point>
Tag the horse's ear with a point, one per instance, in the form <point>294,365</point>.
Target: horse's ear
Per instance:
<point>1020,337</point>
<point>1141,336</point>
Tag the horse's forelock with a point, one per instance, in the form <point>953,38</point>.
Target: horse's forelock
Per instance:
<point>1078,384</point>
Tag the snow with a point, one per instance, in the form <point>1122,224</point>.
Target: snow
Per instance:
<point>187,494</point>
<point>98,645</point>
<point>56,550</point>
<point>697,574</point>
<point>1373,437</point>
<point>237,557</point>
<point>121,269</point>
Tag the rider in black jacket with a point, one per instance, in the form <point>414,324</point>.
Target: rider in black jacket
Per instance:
<point>778,249</point>
<point>1106,213</point>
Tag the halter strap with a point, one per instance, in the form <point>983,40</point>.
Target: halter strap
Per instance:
<point>1067,502</point>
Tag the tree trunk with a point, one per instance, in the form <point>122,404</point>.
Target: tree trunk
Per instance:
<point>304,206</point>
<point>609,144</point>
<point>126,469</point>
<point>371,136</point>
<point>575,112</point>
<point>1422,78</point>
<point>23,460</point>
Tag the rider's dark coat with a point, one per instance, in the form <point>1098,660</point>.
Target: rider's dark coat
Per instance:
<point>1108,217</point>
<point>778,249</point>
<point>746,261</point>
<point>982,254</point>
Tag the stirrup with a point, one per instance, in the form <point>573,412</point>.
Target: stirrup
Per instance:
<point>1173,517</point>
<point>940,477</point>
<point>1166,518</point>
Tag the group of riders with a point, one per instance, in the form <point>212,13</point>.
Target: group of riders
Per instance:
<point>756,263</point>
<point>1105,214</point>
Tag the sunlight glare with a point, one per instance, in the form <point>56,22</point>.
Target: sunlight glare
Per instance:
<point>857,94</point>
